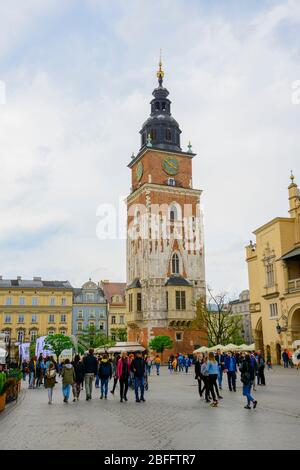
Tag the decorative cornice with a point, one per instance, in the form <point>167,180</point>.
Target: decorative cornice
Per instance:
<point>163,188</point>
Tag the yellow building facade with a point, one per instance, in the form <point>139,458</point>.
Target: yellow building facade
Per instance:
<point>274,281</point>
<point>31,308</point>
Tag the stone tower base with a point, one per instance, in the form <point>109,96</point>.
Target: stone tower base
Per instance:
<point>191,339</point>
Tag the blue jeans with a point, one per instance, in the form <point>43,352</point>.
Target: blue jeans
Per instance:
<point>31,379</point>
<point>220,376</point>
<point>246,392</point>
<point>97,381</point>
<point>286,364</point>
<point>139,383</point>
<point>66,391</point>
<point>104,387</point>
<point>149,369</point>
<point>157,368</point>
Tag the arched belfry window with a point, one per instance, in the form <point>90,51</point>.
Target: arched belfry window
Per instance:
<point>157,105</point>
<point>153,134</point>
<point>175,264</point>
<point>174,212</point>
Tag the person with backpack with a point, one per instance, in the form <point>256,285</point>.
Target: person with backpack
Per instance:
<point>68,378</point>
<point>105,374</point>
<point>247,377</point>
<point>79,377</point>
<point>50,381</point>
<point>157,362</point>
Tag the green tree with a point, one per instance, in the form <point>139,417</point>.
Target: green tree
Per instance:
<point>57,343</point>
<point>119,333</point>
<point>92,337</point>
<point>217,319</point>
<point>160,343</point>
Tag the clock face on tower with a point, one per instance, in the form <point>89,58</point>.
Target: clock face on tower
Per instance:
<point>139,171</point>
<point>170,165</point>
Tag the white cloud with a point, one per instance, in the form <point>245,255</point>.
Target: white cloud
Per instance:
<point>64,147</point>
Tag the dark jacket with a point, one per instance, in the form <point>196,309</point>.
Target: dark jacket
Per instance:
<point>197,369</point>
<point>220,358</point>
<point>247,372</point>
<point>90,364</point>
<point>138,367</point>
<point>227,363</point>
<point>105,370</point>
<point>79,371</point>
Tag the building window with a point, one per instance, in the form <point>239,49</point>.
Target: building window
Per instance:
<point>273,310</point>
<point>130,302</point>
<point>33,318</point>
<point>33,335</point>
<point>63,318</point>
<point>90,297</point>
<point>171,182</point>
<point>79,326</point>
<point>22,301</point>
<point>157,106</point>
<point>163,105</point>
<point>113,336</point>
<point>91,324</point>
<point>101,326</point>
<point>51,332</point>
<point>177,138</point>
<point>52,300</point>
<point>178,336</point>
<point>168,135</point>
<point>80,315</point>
<point>173,212</point>
<point>63,301</point>
<point>62,332</point>
<point>20,337</point>
<point>175,264</point>
<point>7,319</point>
<point>8,301</point>
<point>92,314</point>
<point>139,301</point>
<point>121,319</point>
<point>34,301</point>
<point>270,275</point>
<point>7,336</point>
<point>180,300</point>
<point>113,320</point>
<point>153,134</point>
<point>51,319</point>
<point>21,319</point>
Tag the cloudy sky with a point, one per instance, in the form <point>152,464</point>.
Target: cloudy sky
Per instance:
<point>78,78</point>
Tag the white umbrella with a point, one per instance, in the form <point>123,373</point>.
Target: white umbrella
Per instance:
<point>203,349</point>
<point>214,348</point>
<point>230,347</point>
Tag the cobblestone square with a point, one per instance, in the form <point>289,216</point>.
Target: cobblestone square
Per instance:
<point>173,417</point>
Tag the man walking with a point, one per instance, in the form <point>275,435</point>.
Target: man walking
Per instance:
<point>231,369</point>
<point>220,358</point>
<point>285,358</point>
<point>138,368</point>
<point>90,365</point>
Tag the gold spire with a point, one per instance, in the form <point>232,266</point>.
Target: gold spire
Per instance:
<point>160,73</point>
<point>292,177</point>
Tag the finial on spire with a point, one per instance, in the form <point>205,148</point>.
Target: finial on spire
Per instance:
<point>292,177</point>
<point>160,73</point>
<point>190,147</point>
<point>149,141</point>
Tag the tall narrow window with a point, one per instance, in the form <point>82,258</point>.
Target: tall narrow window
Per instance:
<point>20,336</point>
<point>130,302</point>
<point>139,302</point>
<point>270,275</point>
<point>168,135</point>
<point>175,264</point>
<point>180,300</point>
<point>157,106</point>
<point>153,134</point>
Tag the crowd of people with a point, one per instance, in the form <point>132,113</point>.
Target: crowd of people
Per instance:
<point>133,370</point>
<point>210,369</point>
<point>127,370</point>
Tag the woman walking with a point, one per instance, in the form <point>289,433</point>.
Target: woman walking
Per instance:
<point>213,372</point>
<point>50,376</point>
<point>114,367</point>
<point>198,375</point>
<point>247,377</point>
<point>68,378</point>
<point>105,374</point>
<point>79,377</point>
<point>123,373</point>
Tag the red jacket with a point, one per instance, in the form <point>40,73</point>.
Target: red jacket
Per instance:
<point>120,366</point>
